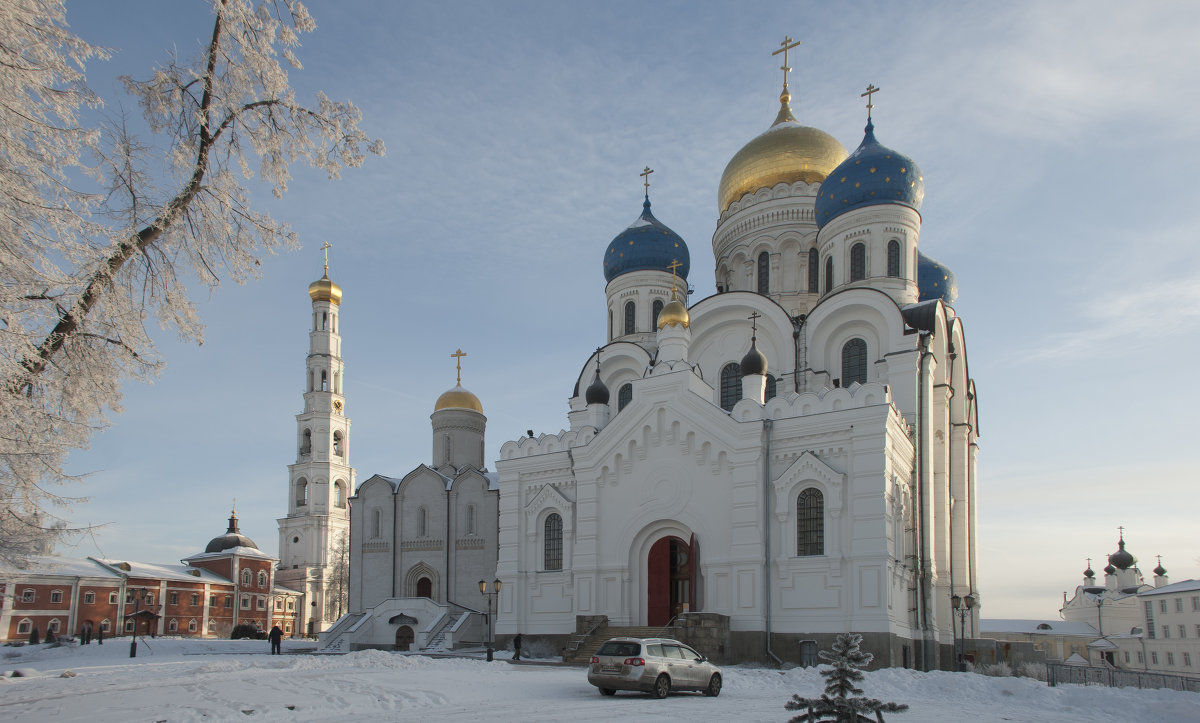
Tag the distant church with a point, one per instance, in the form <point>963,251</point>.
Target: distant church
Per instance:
<point>788,459</point>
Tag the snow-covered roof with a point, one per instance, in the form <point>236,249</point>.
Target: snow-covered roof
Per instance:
<point>1037,627</point>
<point>1175,587</point>
<point>160,571</point>
<point>240,551</point>
<point>55,565</point>
<point>281,588</point>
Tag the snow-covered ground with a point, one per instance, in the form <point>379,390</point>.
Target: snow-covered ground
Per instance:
<point>193,680</point>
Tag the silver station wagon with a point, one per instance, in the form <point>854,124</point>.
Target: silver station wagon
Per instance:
<point>652,665</point>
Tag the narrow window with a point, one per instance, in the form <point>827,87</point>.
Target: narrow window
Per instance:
<point>828,275</point>
<point>339,494</point>
<point>262,578</point>
<point>893,266</point>
<point>25,626</point>
<point>1187,660</point>
<point>554,542</point>
<point>624,396</point>
<point>810,523</point>
<point>28,595</point>
<point>173,626</point>
<point>814,266</point>
<point>337,444</point>
<point>129,625</point>
<point>279,604</point>
<point>610,326</point>
<point>306,443</point>
<point>1178,604</point>
<point>772,387</point>
<point>324,319</point>
<point>764,273</point>
<point>422,522</point>
<point>324,381</point>
<point>470,519</point>
<point>245,577</point>
<point>658,306</point>
<point>630,309</point>
<point>112,598</point>
<point>310,380</point>
<point>731,385</point>
<point>854,362</point>
<point>89,597</point>
<point>858,262</point>
<point>174,598</point>
<point>1171,659</point>
<point>105,625</point>
<point>56,596</point>
<point>53,627</point>
<point>212,601</point>
<point>195,598</point>
<point>375,520</point>
<point>192,626</point>
<point>301,492</point>
<point>245,602</point>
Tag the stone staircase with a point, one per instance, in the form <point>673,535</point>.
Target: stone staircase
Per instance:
<point>583,647</point>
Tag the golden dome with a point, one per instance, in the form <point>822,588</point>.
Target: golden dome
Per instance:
<point>458,398</point>
<point>325,290</point>
<point>674,314</point>
<point>787,152</point>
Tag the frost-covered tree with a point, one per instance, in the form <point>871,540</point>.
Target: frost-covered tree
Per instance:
<point>841,702</point>
<point>337,594</point>
<point>100,230</point>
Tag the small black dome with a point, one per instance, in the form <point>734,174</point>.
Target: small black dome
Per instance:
<point>1121,559</point>
<point>1160,570</point>
<point>596,392</point>
<point>1109,570</point>
<point>232,538</point>
<point>1089,572</point>
<point>754,362</point>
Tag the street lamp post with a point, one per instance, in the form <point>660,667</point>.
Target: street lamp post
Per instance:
<point>963,606</point>
<point>138,596</point>
<point>487,621</point>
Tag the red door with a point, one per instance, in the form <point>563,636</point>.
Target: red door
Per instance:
<point>658,583</point>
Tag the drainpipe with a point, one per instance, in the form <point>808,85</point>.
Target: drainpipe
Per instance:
<point>449,541</point>
<point>801,351</point>
<point>922,545</point>
<point>767,537</point>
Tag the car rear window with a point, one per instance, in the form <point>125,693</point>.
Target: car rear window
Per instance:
<point>619,649</point>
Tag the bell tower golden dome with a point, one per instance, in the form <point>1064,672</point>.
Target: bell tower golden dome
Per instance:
<point>787,152</point>
<point>323,289</point>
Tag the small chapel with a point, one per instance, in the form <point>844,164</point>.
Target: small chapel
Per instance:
<point>755,472</point>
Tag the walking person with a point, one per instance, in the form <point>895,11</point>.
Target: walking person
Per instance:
<point>517,647</point>
<point>276,638</point>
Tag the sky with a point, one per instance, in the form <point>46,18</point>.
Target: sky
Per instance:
<point>1058,146</point>
<point>224,680</point>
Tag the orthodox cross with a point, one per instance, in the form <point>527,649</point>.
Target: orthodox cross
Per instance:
<point>457,357</point>
<point>645,174</point>
<point>325,247</point>
<point>785,46</point>
<point>1089,563</point>
<point>672,266</point>
<point>598,360</point>
<point>1121,529</point>
<point>870,91</point>
<point>754,323</point>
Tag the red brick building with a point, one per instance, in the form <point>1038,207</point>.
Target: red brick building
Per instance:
<point>232,582</point>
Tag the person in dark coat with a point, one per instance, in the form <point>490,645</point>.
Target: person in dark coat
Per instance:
<point>276,638</point>
<point>517,647</point>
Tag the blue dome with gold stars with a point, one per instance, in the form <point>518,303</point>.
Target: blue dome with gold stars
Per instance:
<point>646,245</point>
<point>935,281</point>
<point>873,174</point>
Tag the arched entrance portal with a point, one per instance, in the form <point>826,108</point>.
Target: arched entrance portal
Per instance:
<point>404,637</point>
<point>669,586</point>
<point>425,587</point>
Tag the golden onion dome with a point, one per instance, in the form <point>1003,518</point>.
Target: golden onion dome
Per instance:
<point>787,152</point>
<point>458,398</point>
<point>325,290</point>
<point>674,314</point>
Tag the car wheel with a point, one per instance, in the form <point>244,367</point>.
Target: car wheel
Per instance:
<point>662,686</point>
<point>608,691</point>
<point>714,686</point>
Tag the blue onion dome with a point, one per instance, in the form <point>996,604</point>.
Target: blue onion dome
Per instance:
<point>647,245</point>
<point>873,174</point>
<point>754,362</point>
<point>596,392</point>
<point>1121,559</point>
<point>935,281</point>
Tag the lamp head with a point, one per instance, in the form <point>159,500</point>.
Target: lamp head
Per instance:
<point>483,587</point>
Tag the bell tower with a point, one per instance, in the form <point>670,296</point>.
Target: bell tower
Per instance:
<point>315,534</point>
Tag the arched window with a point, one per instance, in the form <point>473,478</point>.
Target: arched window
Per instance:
<point>624,396</point>
<point>192,626</point>
<point>630,310</point>
<point>731,385</point>
<point>810,523</point>
<point>301,492</point>
<point>337,382</point>
<point>854,362</point>
<point>262,578</point>
<point>828,274</point>
<point>324,319</point>
<point>246,577</point>
<point>893,266</point>
<point>310,380</point>
<point>858,262</point>
<point>337,443</point>
<point>339,494</point>
<point>324,381</point>
<point>53,626</point>
<point>554,542</point>
<point>772,388</point>
<point>25,626</point>
<point>764,273</point>
<point>173,626</point>
<point>814,270</point>
<point>375,523</point>
<point>658,306</point>
<point>422,522</point>
<point>306,442</point>
<point>470,519</point>
<point>333,323</point>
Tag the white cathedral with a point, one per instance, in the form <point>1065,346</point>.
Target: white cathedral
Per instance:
<point>788,459</point>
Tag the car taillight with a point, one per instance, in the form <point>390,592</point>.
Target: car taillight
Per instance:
<point>635,661</point>
<point>595,659</point>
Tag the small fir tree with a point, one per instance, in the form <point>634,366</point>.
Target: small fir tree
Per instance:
<point>34,637</point>
<point>841,702</point>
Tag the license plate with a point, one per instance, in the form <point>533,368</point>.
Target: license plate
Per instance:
<point>610,668</point>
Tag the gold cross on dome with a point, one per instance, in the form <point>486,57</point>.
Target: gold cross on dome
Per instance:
<point>457,357</point>
<point>785,46</point>
<point>673,266</point>
<point>325,247</point>
<point>645,174</point>
<point>870,91</point>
